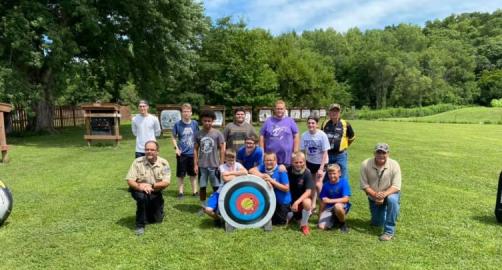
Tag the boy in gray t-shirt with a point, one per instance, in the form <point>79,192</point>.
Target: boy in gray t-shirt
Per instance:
<point>209,153</point>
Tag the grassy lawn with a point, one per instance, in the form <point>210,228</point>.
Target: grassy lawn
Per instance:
<point>72,210</point>
<point>474,115</point>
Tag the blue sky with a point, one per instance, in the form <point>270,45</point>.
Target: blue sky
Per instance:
<point>281,16</point>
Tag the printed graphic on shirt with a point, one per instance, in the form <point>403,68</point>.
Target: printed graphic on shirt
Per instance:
<point>313,147</point>
<point>186,137</point>
<point>278,132</point>
<point>206,145</point>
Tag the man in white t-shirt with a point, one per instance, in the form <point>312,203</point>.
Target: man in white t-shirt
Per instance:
<point>145,127</point>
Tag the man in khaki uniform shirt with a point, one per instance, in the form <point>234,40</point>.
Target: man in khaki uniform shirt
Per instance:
<point>381,180</point>
<point>146,178</point>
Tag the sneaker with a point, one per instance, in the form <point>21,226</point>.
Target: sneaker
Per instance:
<point>139,231</point>
<point>344,228</point>
<point>196,194</point>
<point>386,237</point>
<point>180,196</point>
<point>305,230</point>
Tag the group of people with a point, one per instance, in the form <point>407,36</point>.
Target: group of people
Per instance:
<point>302,170</point>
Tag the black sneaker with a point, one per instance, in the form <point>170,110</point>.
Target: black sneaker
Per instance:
<point>195,194</point>
<point>344,228</point>
<point>180,196</point>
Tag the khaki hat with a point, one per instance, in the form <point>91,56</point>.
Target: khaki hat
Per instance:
<point>335,106</point>
<point>382,147</point>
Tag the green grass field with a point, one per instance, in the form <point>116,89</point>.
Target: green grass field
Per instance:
<point>72,210</point>
<point>473,115</point>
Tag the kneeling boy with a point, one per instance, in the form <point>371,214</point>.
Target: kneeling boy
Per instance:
<point>334,198</point>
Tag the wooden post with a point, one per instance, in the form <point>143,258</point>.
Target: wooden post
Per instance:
<point>3,139</point>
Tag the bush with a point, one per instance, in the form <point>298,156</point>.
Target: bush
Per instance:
<point>365,113</point>
<point>496,102</point>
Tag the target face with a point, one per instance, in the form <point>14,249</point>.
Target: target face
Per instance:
<point>5,203</point>
<point>247,202</point>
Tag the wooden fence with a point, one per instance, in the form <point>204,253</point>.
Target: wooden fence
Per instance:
<point>63,116</point>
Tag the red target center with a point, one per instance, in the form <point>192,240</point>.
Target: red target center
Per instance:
<point>247,203</point>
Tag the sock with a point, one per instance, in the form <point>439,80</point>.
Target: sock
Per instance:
<point>305,217</point>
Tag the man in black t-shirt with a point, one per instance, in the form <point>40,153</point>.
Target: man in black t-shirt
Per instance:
<point>301,186</point>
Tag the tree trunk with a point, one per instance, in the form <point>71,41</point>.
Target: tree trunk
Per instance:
<point>43,108</point>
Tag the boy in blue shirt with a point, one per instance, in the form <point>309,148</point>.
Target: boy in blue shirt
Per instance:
<point>335,205</point>
<point>278,180</point>
<point>250,155</point>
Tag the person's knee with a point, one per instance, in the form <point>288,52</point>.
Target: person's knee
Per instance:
<point>393,199</point>
<point>307,203</point>
<point>321,226</point>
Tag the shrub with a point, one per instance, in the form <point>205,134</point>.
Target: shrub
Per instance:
<point>365,113</point>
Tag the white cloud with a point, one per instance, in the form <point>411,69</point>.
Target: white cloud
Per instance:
<point>286,15</point>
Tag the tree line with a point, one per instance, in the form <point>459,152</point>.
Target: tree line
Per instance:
<point>69,52</point>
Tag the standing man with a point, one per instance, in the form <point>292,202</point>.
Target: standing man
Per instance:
<point>235,133</point>
<point>279,135</point>
<point>209,154</point>
<point>381,180</point>
<point>145,127</point>
<point>147,177</point>
<point>250,155</point>
<point>183,140</point>
<point>302,186</point>
<point>340,135</point>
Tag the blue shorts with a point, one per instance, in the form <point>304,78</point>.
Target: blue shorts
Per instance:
<point>212,201</point>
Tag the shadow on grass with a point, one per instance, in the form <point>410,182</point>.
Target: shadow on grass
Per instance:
<point>67,137</point>
<point>185,207</point>
<point>128,222</point>
<point>488,220</point>
<point>363,226</point>
<point>208,223</point>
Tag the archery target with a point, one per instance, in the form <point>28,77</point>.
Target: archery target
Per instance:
<point>247,202</point>
<point>5,203</point>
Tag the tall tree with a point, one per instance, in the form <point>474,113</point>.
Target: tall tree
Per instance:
<point>44,44</point>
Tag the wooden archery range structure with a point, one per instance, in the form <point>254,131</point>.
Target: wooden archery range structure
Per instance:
<point>219,110</point>
<point>4,108</point>
<point>168,115</point>
<point>102,121</point>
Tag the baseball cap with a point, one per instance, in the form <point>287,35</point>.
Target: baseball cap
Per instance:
<point>382,147</point>
<point>335,106</point>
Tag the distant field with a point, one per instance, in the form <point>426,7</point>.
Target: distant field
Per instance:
<point>72,210</point>
<point>475,115</point>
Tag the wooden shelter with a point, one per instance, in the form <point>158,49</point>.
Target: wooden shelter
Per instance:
<point>102,121</point>
<point>168,115</point>
<point>4,107</point>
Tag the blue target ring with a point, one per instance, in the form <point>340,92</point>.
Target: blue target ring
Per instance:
<point>243,191</point>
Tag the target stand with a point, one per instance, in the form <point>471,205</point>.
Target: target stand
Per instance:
<point>5,203</point>
<point>247,202</point>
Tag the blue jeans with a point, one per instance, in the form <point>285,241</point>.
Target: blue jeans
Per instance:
<point>386,214</point>
<point>208,175</point>
<point>341,160</point>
